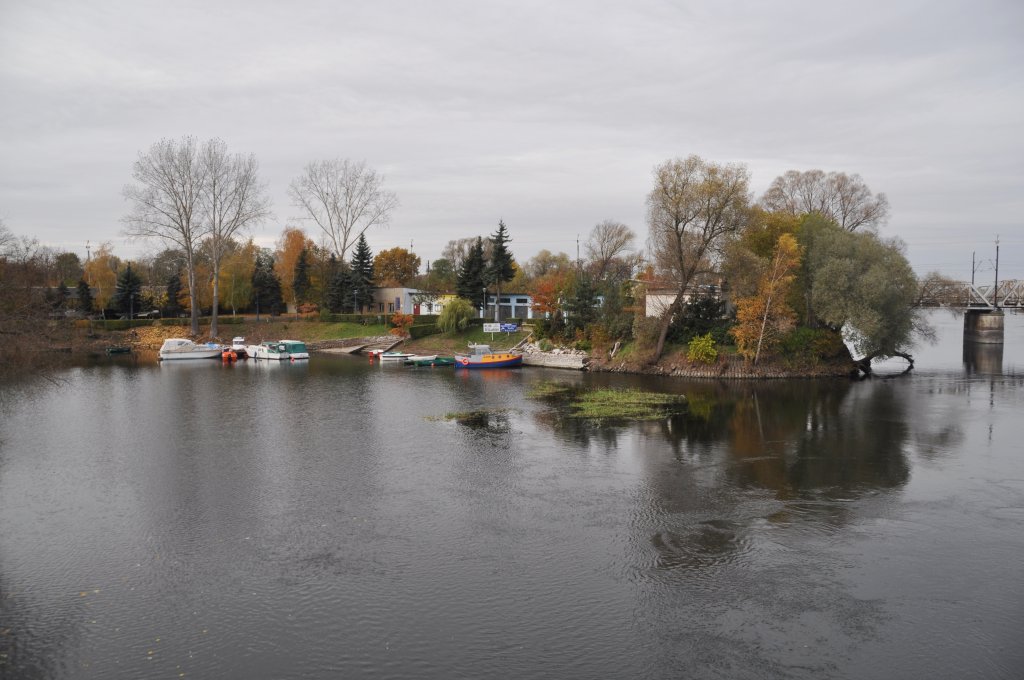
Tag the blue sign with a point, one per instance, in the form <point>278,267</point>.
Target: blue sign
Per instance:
<point>509,328</point>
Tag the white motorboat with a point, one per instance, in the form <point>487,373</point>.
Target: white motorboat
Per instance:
<point>175,349</point>
<point>268,350</point>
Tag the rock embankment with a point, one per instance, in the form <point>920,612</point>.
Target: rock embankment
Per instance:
<point>572,359</point>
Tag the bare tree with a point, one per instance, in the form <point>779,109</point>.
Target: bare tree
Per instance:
<point>844,199</point>
<point>607,242</point>
<point>692,208</point>
<point>344,198</point>
<point>166,203</point>
<point>233,198</point>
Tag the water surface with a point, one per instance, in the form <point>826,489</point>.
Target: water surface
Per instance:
<point>323,520</point>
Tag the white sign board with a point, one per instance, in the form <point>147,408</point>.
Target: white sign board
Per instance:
<point>492,328</point>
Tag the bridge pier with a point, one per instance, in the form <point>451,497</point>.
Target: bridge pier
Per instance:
<point>983,326</point>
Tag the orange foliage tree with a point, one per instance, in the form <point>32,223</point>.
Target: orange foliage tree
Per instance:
<point>395,266</point>
<point>547,292</point>
<point>763,318</point>
<point>101,274</point>
<point>401,323</point>
<point>291,244</point>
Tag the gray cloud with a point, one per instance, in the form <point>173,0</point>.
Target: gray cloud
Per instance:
<point>549,115</point>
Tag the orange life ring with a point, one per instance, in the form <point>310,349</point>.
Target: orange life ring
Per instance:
<point>465,361</point>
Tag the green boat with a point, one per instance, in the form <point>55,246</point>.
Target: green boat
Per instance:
<point>119,350</point>
<point>431,361</point>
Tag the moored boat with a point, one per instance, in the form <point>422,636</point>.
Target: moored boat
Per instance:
<point>239,347</point>
<point>481,356</point>
<point>295,349</point>
<point>393,356</point>
<point>431,361</point>
<point>274,351</point>
<point>182,348</point>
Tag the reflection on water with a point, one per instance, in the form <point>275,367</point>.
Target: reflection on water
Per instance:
<point>983,358</point>
<point>325,519</point>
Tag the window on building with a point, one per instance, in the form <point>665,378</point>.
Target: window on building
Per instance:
<point>391,306</point>
<point>522,301</point>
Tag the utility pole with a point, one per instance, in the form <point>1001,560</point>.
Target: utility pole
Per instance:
<point>972,268</point>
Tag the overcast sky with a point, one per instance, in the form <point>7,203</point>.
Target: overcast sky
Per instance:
<point>549,115</point>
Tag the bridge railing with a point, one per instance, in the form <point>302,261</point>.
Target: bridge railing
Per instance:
<point>943,293</point>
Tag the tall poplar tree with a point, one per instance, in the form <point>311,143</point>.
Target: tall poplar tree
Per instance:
<point>501,267</point>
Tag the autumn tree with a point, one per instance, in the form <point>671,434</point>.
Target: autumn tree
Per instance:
<point>290,246</point>
<point>101,273</point>
<point>844,199</point>
<point>694,206</point>
<point>236,275</point>
<point>501,267</point>
<point>344,198</point>
<point>764,318</point>
<point>395,266</point>
<point>166,204</point>
<point>547,291</point>
<point>233,198</point>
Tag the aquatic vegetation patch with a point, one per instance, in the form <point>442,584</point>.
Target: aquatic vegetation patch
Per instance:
<point>609,404</point>
<point>549,390</point>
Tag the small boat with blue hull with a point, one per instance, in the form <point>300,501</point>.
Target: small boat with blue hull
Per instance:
<point>481,356</point>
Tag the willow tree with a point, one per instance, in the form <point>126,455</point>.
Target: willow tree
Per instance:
<point>694,206</point>
<point>864,286</point>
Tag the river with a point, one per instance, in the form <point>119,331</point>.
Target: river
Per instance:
<point>324,520</point>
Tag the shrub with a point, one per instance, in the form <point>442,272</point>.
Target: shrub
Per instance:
<point>401,323</point>
<point>702,349</point>
<point>423,329</point>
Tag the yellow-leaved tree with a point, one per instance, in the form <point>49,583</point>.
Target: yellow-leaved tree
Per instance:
<point>763,318</point>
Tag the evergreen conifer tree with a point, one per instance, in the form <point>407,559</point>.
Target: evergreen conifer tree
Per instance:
<point>339,291</point>
<point>266,288</point>
<point>127,292</point>
<point>84,297</point>
<point>61,299</point>
<point>500,269</point>
<point>300,278</point>
<point>471,282</point>
<point>361,275</point>
<point>173,306</point>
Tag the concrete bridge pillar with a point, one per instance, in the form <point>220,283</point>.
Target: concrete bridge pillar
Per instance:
<point>984,326</point>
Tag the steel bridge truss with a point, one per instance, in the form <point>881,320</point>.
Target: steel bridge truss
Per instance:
<point>964,294</point>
